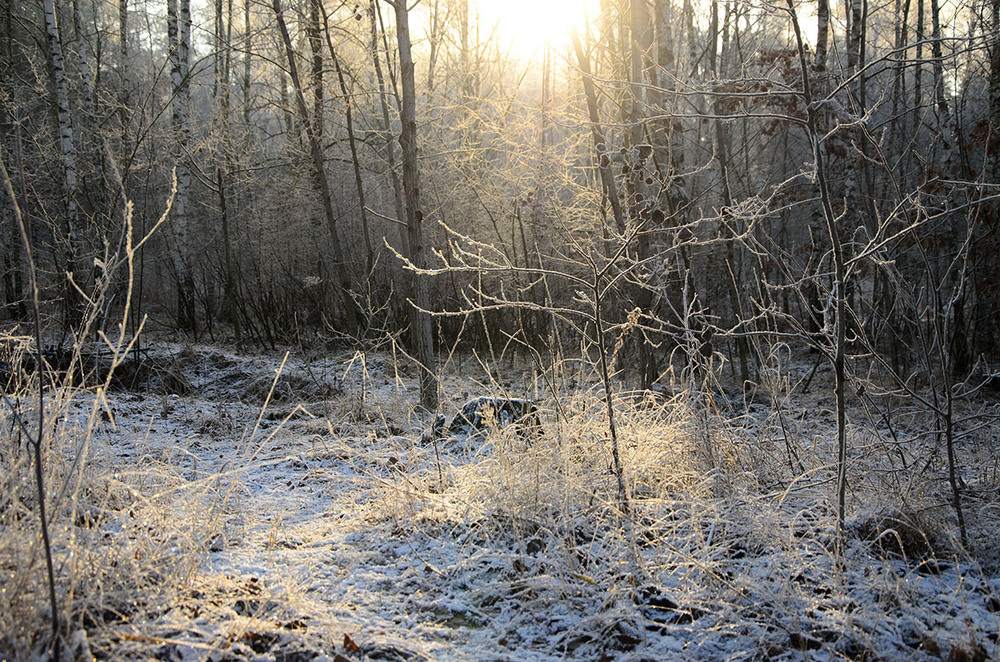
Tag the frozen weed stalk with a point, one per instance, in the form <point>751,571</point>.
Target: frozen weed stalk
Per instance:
<point>125,539</point>
<point>37,438</point>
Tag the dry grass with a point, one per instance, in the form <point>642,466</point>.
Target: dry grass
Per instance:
<point>127,537</point>
<point>732,537</point>
<point>732,519</point>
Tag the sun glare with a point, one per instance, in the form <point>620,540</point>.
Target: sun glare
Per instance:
<point>526,26</point>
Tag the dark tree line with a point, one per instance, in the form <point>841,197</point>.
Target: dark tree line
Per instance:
<point>749,178</point>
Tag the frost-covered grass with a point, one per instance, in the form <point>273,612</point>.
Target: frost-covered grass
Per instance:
<point>208,526</point>
<point>128,517</point>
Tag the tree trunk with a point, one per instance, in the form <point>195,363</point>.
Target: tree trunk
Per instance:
<point>854,29</point>
<point>317,16</point>
<point>837,349</point>
<point>352,142</point>
<point>67,150</point>
<point>822,33</point>
<point>390,141</point>
<point>179,38</point>
<point>13,289</point>
<point>434,43</point>
<point>640,46</point>
<point>722,152</point>
<point>223,55</point>
<point>230,307</point>
<point>993,164</point>
<point>604,165</point>
<point>86,79</point>
<point>899,84</point>
<point>322,182</point>
<point>247,61</point>
<point>13,297</point>
<point>918,99</point>
<point>938,67</point>
<point>420,320</point>
<point>987,304</point>
<point>123,92</point>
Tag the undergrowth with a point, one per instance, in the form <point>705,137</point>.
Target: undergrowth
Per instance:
<point>732,536</point>
<point>733,532</point>
<point>127,536</point>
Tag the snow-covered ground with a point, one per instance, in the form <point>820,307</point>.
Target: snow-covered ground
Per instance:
<point>326,526</point>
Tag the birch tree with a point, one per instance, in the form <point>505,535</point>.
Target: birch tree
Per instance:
<point>67,152</point>
<point>179,40</point>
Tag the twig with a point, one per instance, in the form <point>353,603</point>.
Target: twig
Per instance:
<point>37,441</point>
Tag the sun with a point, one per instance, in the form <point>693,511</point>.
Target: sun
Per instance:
<point>527,26</point>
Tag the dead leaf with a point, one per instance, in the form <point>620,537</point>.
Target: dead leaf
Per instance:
<point>350,646</point>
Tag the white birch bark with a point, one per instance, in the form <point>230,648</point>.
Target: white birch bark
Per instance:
<point>179,38</point>
<point>67,150</point>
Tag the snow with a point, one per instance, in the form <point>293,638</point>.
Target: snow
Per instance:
<point>274,533</point>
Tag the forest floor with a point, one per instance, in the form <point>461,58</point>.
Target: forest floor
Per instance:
<point>295,510</point>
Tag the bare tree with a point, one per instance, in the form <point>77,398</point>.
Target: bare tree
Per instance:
<point>355,161</point>
<point>837,349</point>
<point>822,33</point>
<point>317,18</point>
<point>386,126</point>
<point>420,320</point>
<point>10,129</point>
<point>322,180</point>
<point>67,150</point>
<point>609,187</point>
<point>179,39</point>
